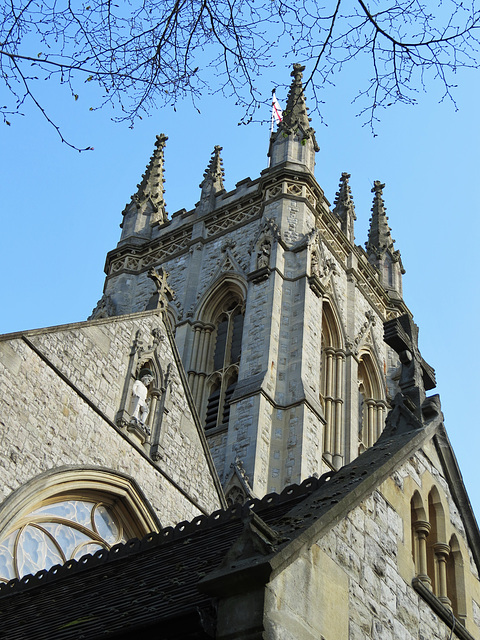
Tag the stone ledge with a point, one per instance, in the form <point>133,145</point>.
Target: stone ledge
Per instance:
<point>441,610</point>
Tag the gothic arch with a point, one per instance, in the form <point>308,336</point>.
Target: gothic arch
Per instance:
<point>436,543</point>
<point>66,513</point>
<point>332,382</point>
<point>456,580</point>
<point>371,400</point>
<point>331,325</point>
<point>228,284</point>
<point>420,528</point>
<point>216,349</point>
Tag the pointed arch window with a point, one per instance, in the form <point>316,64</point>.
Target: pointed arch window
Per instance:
<point>331,386</point>
<point>225,362</point>
<point>215,352</point>
<point>371,403</point>
<point>54,533</point>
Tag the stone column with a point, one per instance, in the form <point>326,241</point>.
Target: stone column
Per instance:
<point>371,422</point>
<point>442,551</point>
<point>202,366</point>
<point>194,358</point>
<point>381,409</point>
<point>337,448</point>
<point>329,407</point>
<point>422,529</point>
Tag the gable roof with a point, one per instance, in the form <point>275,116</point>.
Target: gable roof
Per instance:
<point>178,572</point>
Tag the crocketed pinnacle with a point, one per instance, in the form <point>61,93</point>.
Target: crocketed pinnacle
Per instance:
<point>151,187</point>
<point>295,116</point>
<point>213,176</point>
<point>379,236</point>
<point>344,207</point>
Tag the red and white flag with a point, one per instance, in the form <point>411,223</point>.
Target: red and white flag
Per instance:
<point>276,111</point>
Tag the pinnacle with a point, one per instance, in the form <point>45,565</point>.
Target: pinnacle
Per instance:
<point>295,115</point>
<point>214,173</point>
<point>343,197</point>
<point>151,187</point>
<point>344,207</point>
<point>379,237</point>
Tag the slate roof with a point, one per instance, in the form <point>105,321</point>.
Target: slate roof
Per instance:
<point>161,585</point>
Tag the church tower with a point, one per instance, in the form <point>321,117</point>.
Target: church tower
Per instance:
<point>277,313</point>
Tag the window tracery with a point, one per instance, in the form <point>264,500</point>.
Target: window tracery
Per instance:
<point>57,532</point>
<point>216,348</point>
<point>66,514</point>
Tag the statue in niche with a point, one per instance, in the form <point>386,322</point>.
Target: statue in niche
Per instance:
<point>140,399</point>
<point>263,257</point>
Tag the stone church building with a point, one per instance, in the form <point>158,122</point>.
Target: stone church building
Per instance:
<point>238,442</point>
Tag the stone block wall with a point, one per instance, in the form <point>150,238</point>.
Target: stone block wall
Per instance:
<point>59,410</point>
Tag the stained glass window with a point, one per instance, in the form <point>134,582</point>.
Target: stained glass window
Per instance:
<point>57,532</point>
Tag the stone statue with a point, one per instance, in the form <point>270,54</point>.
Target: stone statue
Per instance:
<point>263,257</point>
<point>140,401</point>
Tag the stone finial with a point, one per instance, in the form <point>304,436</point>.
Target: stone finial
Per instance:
<point>295,115</point>
<point>344,207</point>
<point>151,190</point>
<point>294,140</point>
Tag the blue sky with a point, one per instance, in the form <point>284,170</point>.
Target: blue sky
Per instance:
<point>61,209</point>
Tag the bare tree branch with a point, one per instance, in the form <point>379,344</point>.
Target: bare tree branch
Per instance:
<point>155,53</point>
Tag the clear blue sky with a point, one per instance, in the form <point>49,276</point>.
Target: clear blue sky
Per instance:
<point>61,209</point>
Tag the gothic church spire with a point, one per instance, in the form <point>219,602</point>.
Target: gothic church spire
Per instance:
<point>380,245</point>
<point>344,207</point>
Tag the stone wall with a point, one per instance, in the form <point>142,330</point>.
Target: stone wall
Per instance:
<point>356,581</point>
<point>59,410</point>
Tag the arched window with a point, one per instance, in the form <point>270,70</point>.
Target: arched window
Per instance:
<point>437,564</point>
<point>224,362</point>
<point>420,531</point>
<point>216,348</point>
<point>331,385</point>
<point>456,581</point>
<point>371,405</point>
<point>73,513</point>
